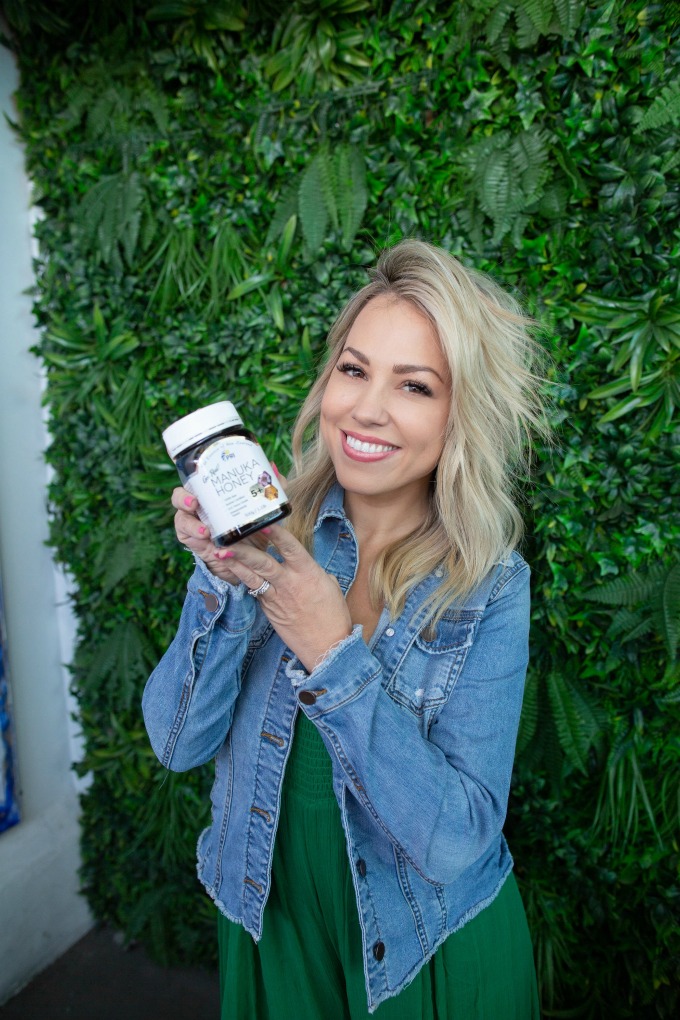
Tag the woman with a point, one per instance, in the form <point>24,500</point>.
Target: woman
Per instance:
<point>372,659</point>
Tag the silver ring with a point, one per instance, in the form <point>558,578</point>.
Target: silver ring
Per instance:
<point>255,592</point>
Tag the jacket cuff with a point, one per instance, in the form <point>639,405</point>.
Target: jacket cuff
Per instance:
<point>213,599</point>
<point>237,591</point>
<point>344,672</point>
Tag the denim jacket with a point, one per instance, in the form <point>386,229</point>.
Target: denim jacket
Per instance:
<point>421,731</point>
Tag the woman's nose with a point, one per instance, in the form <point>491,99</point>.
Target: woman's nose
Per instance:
<point>371,406</point>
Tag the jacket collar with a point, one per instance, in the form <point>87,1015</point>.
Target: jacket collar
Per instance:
<point>332,505</point>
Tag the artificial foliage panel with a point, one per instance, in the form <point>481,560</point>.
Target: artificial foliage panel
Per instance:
<point>213,180</point>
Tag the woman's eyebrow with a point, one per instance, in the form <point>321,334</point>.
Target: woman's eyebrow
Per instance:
<point>407,369</point>
<point>358,355</point>
<point>397,369</point>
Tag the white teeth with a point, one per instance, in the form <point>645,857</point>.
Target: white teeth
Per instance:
<point>356,444</point>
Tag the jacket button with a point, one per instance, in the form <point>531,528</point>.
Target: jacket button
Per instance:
<point>211,601</point>
<point>361,867</point>
<point>389,632</point>
<point>379,950</point>
<point>307,697</point>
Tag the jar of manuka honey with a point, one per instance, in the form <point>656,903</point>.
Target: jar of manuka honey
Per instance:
<point>221,463</point>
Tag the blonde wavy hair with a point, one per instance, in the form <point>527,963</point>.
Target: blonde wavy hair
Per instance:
<point>473,522</point>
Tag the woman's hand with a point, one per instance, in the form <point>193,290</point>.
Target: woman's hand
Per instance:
<point>303,603</point>
<point>195,535</point>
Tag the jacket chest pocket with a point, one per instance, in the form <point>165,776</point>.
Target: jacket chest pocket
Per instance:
<point>428,671</point>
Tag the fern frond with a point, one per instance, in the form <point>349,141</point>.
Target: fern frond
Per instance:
<point>328,174</point>
<point>497,195</point>
<point>664,110</point>
<point>312,208</point>
<point>497,20</point>
<point>352,191</point>
<point>123,660</point>
<point>540,13</point>
<point>631,624</point>
<point>110,215</point>
<point>529,718</point>
<point>670,601</point>
<point>671,160</point>
<point>628,590</point>
<point>527,33</point>
<point>286,206</point>
<point>569,15</point>
<point>124,550</point>
<point>543,749</point>
<point>154,102</point>
<point>577,720</point>
<point>553,202</point>
<point>529,154</point>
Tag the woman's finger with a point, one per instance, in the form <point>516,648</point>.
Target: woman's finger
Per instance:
<point>190,529</point>
<point>287,544</point>
<point>251,578</point>
<point>258,563</point>
<point>181,499</point>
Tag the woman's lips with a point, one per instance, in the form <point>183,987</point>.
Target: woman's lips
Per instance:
<point>365,448</point>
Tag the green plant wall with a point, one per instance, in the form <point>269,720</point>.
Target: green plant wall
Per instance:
<point>213,179</point>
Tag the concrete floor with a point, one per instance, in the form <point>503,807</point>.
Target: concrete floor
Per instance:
<point>99,980</point>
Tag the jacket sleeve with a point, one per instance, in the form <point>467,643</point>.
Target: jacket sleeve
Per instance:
<point>441,798</point>
<point>188,702</point>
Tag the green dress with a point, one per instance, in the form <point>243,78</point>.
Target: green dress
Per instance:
<point>308,964</point>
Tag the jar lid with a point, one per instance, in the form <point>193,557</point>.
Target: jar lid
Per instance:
<point>192,428</point>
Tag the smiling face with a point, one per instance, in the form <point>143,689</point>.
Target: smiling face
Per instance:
<point>386,404</point>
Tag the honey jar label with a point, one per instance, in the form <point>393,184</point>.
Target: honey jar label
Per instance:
<point>235,484</point>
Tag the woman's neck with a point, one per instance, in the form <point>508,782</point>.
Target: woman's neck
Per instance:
<point>378,521</point>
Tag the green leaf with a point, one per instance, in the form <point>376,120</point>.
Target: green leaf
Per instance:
<point>253,282</point>
<point>275,305</point>
<point>610,389</point>
<point>286,243</point>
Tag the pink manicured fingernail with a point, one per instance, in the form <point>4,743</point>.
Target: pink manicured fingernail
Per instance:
<point>201,530</point>
<point>266,531</point>
<point>276,471</point>
<point>188,500</point>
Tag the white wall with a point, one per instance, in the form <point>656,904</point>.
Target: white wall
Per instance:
<point>41,911</point>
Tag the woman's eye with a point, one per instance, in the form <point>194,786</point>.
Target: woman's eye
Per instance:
<point>347,368</point>
<point>417,387</point>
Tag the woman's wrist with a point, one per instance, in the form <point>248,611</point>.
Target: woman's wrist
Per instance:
<point>316,653</point>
